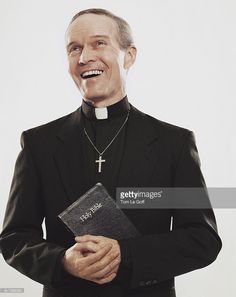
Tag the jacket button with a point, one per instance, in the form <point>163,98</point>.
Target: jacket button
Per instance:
<point>154,282</point>
<point>142,283</point>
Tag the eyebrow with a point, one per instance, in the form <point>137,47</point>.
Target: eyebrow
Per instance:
<point>92,37</point>
<point>100,36</point>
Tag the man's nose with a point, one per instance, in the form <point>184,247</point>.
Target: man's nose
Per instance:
<point>86,55</point>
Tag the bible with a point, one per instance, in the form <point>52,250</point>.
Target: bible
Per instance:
<point>96,213</point>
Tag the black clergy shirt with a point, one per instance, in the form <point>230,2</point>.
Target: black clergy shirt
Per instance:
<point>101,132</point>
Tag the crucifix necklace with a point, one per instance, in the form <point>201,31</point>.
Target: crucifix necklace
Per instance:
<point>100,160</point>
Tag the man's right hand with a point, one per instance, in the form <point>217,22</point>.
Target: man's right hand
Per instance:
<point>86,260</point>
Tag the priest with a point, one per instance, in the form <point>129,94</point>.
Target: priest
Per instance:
<point>105,140</point>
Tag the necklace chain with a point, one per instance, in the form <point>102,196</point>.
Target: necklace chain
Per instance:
<point>109,144</point>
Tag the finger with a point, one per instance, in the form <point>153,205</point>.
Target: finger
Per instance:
<point>88,237</point>
<point>101,240</point>
<point>105,280</point>
<point>101,264</point>
<point>93,258</point>
<point>113,271</point>
<point>87,247</point>
<point>107,270</point>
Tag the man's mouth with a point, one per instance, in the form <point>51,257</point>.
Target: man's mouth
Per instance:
<point>91,73</point>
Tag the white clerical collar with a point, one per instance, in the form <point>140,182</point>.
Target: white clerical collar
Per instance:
<point>99,113</point>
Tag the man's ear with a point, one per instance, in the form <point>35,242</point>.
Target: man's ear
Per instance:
<point>130,56</point>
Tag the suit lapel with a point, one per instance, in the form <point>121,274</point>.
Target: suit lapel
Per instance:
<point>69,156</point>
<point>138,159</point>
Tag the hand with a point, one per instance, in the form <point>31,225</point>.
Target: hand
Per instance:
<point>103,241</point>
<point>92,262</point>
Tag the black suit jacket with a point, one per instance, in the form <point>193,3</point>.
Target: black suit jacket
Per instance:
<point>49,176</point>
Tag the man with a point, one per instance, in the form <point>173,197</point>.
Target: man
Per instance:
<point>106,140</point>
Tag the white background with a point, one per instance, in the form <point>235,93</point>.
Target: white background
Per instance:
<point>185,74</point>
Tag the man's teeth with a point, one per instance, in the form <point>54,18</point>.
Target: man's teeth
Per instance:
<point>91,73</point>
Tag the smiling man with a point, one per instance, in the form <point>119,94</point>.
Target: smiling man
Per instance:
<point>105,140</point>
<point>98,60</point>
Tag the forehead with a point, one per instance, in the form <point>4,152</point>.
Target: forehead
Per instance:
<point>89,25</point>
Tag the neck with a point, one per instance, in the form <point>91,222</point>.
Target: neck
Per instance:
<point>103,102</point>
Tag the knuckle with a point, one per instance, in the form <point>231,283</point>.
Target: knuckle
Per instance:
<point>113,263</point>
<point>88,245</point>
<point>105,271</point>
<point>110,267</point>
<point>111,256</point>
<point>97,267</point>
<point>115,254</point>
<point>101,265</point>
<point>100,274</point>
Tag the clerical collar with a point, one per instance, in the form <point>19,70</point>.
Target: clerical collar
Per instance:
<point>101,113</point>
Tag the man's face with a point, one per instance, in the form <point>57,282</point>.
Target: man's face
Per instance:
<point>96,63</point>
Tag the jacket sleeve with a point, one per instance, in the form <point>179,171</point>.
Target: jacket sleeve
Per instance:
<point>193,241</point>
<point>21,240</point>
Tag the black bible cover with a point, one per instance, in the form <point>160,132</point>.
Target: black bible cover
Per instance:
<point>96,213</point>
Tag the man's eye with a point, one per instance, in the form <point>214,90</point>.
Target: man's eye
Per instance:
<point>74,49</point>
<point>100,42</point>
